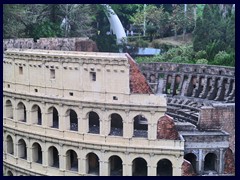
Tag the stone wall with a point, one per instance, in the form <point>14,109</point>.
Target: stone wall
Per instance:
<point>166,129</point>
<point>64,44</point>
<point>187,169</point>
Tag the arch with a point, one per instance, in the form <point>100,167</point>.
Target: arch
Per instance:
<point>22,149</point>
<point>92,164</point>
<point>37,153</point>
<point>72,119</point>
<point>192,158</point>
<point>152,78</point>
<point>164,168</point>
<point>9,109</point>
<point>53,117</point>
<point>10,148</point>
<point>93,123</point>
<point>9,173</point>
<point>53,157</point>
<point>210,162</point>
<point>21,112</point>
<point>176,89</point>
<point>116,125</point>
<point>71,160</point>
<point>36,115</point>
<point>139,167</point>
<point>140,126</point>
<point>115,166</point>
<point>168,84</point>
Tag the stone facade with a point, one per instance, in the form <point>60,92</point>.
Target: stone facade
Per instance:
<point>201,100</point>
<point>69,113</point>
<point>64,44</point>
<point>79,113</point>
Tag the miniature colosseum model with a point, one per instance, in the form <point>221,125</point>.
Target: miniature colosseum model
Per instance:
<point>85,113</point>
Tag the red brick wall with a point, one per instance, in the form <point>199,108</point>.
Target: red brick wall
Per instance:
<point>229,164</point>
<point>87,45</point>
<point>166,128</point>
<point>187,169</point>
<point>138,83</point>
<point>219,117</point>
<point>209,118</point>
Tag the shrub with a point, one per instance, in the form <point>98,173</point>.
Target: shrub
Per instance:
<point>201,54</point>
<point>224,59</point>
<point>202,61</point>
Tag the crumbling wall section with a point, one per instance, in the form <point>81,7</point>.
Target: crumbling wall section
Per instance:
<point>229,164</point>
<point>166,129</point>
<point>187,169</point>
<point>219,116</point>
<point>64,44</point>
<point>138,83</point>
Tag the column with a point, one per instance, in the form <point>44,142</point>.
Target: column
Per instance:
<point>152,170</point>
<point>200,166</point>
<point>83,165</point>
<point>103,168</point>
<point>84,128</point>
<point>45,158</point>
<point>127,169</point>
<point>221,159</point>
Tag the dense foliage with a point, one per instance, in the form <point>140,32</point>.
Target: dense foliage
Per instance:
<point>212,26</point>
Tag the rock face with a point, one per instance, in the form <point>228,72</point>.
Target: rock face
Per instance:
<point>138,82</point>
<point>229,167</point>
<point>166,129</point>
<point>187,169</point>
<point>64,44</point>
<point>88,46</point>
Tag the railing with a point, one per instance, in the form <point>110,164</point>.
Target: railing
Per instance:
<point>96,139</point>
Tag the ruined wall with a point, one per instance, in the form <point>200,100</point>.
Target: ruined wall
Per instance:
<point>64,44</point>
<point>206,82</point>
<point>187,169</point>
<point>229,167</point>
<point>138,83</point>
<point>166,129</point>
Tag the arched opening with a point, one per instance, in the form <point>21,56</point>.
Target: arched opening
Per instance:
<point>10,148</point>
<point>115,164</point>
<point>22,149</point>
<point>53,158</point>
<point>53,117</point>
<point>21,112</point>
<point>140,127</point>
<point>71,160</point>
<point>192,85</point>
<point>93,120</point>
<point>116,125</point>
<point>37,153</point>
<point>73,119</point>
<point>192,159</point>
<point>152,78</point>
<point>210,162</point>
<point>93,164</point>
<point>164,168</point>
<point>168,85</point>
<point>9,109</point>
<point>176,89</point>
<point>9,173</point>
<point>36,115</point>
<point>139,167</point>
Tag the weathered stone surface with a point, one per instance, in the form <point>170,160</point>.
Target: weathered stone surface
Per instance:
<point>88,45</point>
<point>166,128</point>
<point>229,166</point>
<point>187,169</point>
<point>64,44</point>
